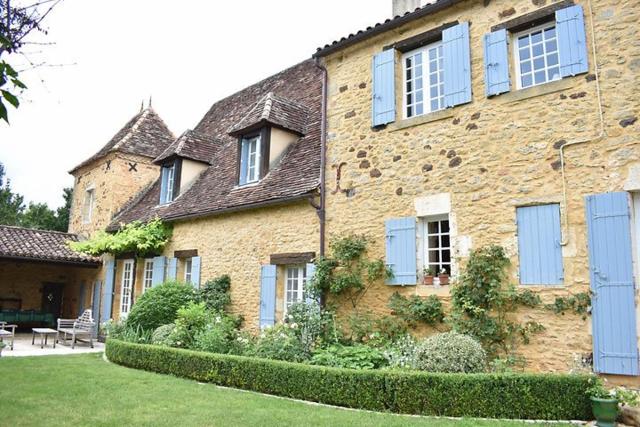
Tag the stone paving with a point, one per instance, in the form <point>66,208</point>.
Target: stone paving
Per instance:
<point>23,347</point>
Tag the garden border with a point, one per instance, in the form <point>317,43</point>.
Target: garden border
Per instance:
<point>514,396</point>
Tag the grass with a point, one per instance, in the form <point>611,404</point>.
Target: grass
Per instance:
<point>86,390</point>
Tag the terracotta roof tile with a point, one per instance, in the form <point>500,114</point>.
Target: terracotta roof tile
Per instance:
<point>274,110</point>
<point>190,145</point>
<point>40,245</point>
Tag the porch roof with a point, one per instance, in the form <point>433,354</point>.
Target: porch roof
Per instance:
<point>27,244</point>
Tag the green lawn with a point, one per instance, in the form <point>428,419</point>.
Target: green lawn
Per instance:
<point>85,390</point>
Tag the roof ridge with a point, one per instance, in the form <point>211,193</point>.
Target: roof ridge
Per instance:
<point>142,115</point>
<point>268,103</point>
<point>16,227</point>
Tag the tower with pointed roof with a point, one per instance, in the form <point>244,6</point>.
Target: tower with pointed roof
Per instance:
<point>106,181</point>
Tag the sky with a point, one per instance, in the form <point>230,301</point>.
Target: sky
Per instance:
<point>110,55</point>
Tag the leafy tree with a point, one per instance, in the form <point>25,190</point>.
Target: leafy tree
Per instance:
<point>38,215</point>
<point>11,204</point>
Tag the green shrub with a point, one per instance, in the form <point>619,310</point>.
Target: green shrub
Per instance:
<point>158,306</point>
<point>215,293</point>
<point>417,309</point>
<point>450,352</point>
<point>191,319</point>
<point>122,330</point>
<point>401,353</point>
<point>353,357</point>
<point>313,327</point>
<point>280,342</point>
<point>218,336</point>
<point>162,335</point>
<point>519,396</point>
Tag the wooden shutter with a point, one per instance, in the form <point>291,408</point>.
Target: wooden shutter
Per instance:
<point>195,271</point>
<point>615,348</point>
<point>401,250</point>
<point>383,103</point>
<point>496,63</point>
<point>572,41</point>
<point>539,250</point>
<point>172,269</point>
<point>107,301</point>
<point>157,277</point>
<point>244,162</point>
<point>456,64</point>
<point>163,185</point>
<point>267,296</point>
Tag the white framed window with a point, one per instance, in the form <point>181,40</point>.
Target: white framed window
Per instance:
<point>437,243</point>
<point>251,159</point>
<point>536,56</point>
<point>126,287</point>
<point>87,206</point>
<point>423,80</point>
<point>294,287</point>
<point>148,275</point>
<point>188,264</point>
<point>167,184</point>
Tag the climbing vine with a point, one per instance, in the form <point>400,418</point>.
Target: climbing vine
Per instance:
<point>579,304</point>
<point>415,309</point>
<point>136,237</point>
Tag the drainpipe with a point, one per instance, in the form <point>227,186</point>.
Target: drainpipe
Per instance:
<point>323,157</point>
<point>600,135</point>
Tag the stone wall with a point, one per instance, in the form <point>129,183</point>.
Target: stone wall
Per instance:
<point>490,156</point>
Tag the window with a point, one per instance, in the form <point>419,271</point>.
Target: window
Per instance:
<point>536,56</point>
<point>125,290</point>
<point>167,184</point>
<point>87,207</point>
<point>437,243</point>
<point>294,286</point>
<point>148,275</point>
<point>424,80</point>
<point>188,264</point>
<point>250,160</point>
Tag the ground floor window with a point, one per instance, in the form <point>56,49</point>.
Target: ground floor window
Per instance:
<point>188,263</point>
<point>148,275</point>
<point>294,286</point>
<point>126,286</point>
<point>437,244</point>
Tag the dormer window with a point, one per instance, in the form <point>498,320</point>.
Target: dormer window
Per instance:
<point>251,153</point>
<point>169,184</point>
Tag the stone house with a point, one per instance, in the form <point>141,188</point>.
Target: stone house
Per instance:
<point>459,124</point>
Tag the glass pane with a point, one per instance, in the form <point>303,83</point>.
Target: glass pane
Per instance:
<point>446,256</point>
<point>417,72</point>
<point>432,54</point>
<point>444,225</point>
<point>432,227</point>
<point>409,111</point>
<point>433,242</point>
<point>536,37</point>
<point>418,58</point>
<point>434,256</point>
<point>435,105</point>
<point>419,83</point>
<point>523,41</point>
<point>538,64</point>
<point>525,67</point>
<point>524,53</point>
<point>433,92</point>
<point>550,32</point>
<point>408,62</point>
<point>409,99</point>
<point>540,77</point>
<point>409,87</point>
<point>408,74</point>
<point>552,46</point>
<point>445,241</point>
<point>537,49</point>
<point>419,96</point>
<point>552,59</point>
<point>527,80</point>
<point>419,109</point>
<point>441,76</point>
<point>433,79</point>
<point>433,66</point>
<point>553,73</point>
<point>447,269</point>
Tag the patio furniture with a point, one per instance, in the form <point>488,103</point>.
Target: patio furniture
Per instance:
<point>82,327</point>
<point>7,331</point>
<point>44,334</point>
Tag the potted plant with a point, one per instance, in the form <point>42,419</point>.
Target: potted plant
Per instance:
<point>443,277</point>
<point>429,274</point>
<point>603,404</point>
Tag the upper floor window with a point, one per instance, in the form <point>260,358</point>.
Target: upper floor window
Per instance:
<point>87,206</point>
<point>536,56</point>
<point>167,184</point>
<point>250,159</point>
<point>424,80</point>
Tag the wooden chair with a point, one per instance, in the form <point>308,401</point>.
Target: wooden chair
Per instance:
<point>82,327</point>
<point>7,331</point>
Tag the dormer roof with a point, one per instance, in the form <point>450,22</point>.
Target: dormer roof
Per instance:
<point>190,145</point>
<point>146,134</point>
<point>273,110</point>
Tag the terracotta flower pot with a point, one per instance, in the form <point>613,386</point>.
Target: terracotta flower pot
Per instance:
<point>444,279</point>
<point>605,411</point>
<point>428,280</point>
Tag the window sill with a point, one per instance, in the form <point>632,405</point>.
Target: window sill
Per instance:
<point>532,92</point>
<point>420,120</point>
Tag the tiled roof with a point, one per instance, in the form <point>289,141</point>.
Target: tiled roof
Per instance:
<point>40,245</point>
<point>275,110</point>
<point>296,176</point>
<point>432,7</point>
<point>145,134</point>
<point>190,145</point>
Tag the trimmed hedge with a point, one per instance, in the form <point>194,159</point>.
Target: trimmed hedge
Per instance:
<point>517,396</point>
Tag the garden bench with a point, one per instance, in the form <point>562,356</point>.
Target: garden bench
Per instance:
<point>79,328</point>
<point>7,331</point>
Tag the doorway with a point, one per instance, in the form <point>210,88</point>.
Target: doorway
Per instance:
<point>52,299</point>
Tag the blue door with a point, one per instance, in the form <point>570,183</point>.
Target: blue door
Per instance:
<point>615,347</point>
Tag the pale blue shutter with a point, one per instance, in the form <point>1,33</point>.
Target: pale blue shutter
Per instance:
<point>456,64</point>
<point>157,277</point>
<point>109,279</point>
<point>310,272</point>
<point>383,108</point>
<point>615,345</point>
<point>572,41</point>
<point>163,186</point>
<point>539,250</point>
<point>95,305</point>
<point>172,269</point>
<point>401,250</point>
<point>496,63</point>
<point>244,161</point>
<point>267,296</point>
<point>195,271</point>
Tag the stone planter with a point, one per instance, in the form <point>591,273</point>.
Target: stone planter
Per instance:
<point>605,411</point>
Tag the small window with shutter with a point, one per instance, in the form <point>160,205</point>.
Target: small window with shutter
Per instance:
<point>88,205</point>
